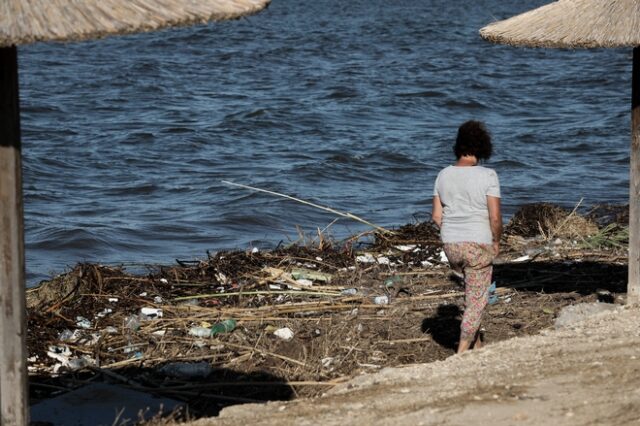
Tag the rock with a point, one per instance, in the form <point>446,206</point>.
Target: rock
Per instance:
<point>571,315</point>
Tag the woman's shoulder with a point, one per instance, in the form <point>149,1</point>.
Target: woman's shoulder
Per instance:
<point>486,170</point>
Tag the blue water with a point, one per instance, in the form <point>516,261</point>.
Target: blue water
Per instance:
<point>353,105</point>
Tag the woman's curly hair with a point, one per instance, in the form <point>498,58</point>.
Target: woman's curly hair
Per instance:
<point>473,139</point>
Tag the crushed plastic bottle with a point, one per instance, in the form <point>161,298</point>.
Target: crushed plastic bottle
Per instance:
<point>381,300</point>
<point>132,322</point>
<point>200,331</point>
<point>223,327</point>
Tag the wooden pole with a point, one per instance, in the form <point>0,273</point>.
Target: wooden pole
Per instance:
<point>633,286</point>
<point>13,368</point>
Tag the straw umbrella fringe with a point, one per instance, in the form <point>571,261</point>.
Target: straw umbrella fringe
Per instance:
<point>28,21</point>
<point>590,24</point>
<point>571,24</point>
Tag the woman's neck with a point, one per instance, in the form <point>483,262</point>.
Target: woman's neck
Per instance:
<point>467,161</point>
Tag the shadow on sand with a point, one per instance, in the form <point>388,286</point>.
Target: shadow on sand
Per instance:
<point>199,397</point>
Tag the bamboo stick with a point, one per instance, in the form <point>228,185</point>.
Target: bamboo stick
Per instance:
<point>308,203</point>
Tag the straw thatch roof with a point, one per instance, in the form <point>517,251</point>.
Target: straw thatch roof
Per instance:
<point>27,21</point>
<point>571,24</point>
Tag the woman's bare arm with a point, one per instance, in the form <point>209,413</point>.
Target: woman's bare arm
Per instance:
<point>495,220</point>
<point>436,211</point>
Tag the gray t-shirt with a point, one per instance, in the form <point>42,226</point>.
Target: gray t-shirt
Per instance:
<point>463,193</point>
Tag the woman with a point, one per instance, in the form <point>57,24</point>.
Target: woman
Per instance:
<point>466,208</point>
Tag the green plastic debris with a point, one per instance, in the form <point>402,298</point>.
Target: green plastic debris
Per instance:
<point>223,327</point>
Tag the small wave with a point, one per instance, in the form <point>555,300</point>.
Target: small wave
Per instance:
<point>342,93</point>
<point>464,104</point>
<point>422,94</point>
<point>177,130</point>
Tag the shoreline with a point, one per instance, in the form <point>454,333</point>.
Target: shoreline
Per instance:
<point>306,317</point>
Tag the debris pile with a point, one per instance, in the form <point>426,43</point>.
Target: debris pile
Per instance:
<point>255,325</point>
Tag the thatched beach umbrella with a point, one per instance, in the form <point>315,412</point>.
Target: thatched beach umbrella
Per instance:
<point>589,24</point>
<point>28,21</point>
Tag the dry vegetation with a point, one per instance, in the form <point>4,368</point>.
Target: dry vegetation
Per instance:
<point>329,295</point>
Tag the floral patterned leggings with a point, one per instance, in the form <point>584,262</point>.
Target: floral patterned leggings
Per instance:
<point>474,261</point>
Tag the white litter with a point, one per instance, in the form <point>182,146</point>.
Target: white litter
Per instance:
<point>82,322</point>
<point>365,258</point>
<point>284,333</point>
<point>443,257</point>
<point>326,362</point>
<point>164,281</point>
<point>255,250</point>
<point>303,282</point>
<point>408,247</point>
<point>522,258</point>
<point>151,313</point>
<point>103,313</point>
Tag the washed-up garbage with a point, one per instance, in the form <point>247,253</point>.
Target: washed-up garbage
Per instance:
<point>151,313</point>
<point>326,362</point>
<point>200,331</point>
<point>68,335</point>
<point>369,258</point>
<point>303,282</point>
<point>222,327</point>
<point>82,322</point>
<point>225,326</point>
<point>132,322</point>
<point>60,353</point>
<point>187,370</point>
<point>443,257</point>
<point>284,333</point>
<point>298,274</point>
<point>349,291</point>
<point>365,258</point>
<point>522,258</point>
<point>406,247</point>
<point>103,313</point>
<point>381,300</point>
<point>80,363</point>
<point>493,297</point>
<point>391,281</point>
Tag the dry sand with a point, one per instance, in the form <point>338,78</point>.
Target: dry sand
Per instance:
<point>585,374</point>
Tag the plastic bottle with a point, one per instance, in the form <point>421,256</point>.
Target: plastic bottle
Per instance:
<point>381,300</point>
<point>200,331</point>
<point>132,322</point>
<point>223,327</point>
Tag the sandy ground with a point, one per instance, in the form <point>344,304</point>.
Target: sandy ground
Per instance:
<point>587,373</point>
